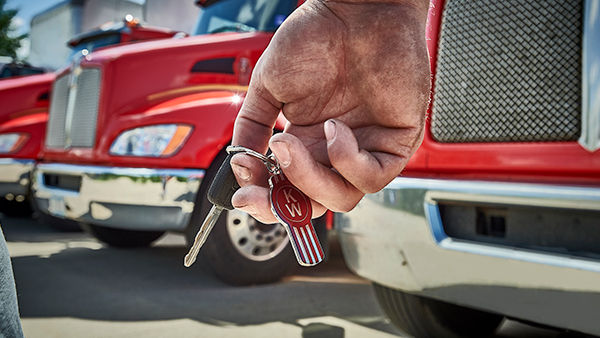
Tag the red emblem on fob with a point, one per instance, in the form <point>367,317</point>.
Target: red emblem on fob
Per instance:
<point>293,209</point>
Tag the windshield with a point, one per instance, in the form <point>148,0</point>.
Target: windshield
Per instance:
<point>244,16</point>
<point>94,43</point>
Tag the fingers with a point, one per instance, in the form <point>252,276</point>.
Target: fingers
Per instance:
<point>255,201</point>
<point>367,171</point>
<point>318,182</point>
<point>254,124</point>
<point>249,170</point>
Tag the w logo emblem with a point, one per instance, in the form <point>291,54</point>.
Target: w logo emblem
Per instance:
<point>293,209</point>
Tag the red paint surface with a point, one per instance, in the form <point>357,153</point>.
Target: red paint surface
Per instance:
<point>152,83</point>
<point>24,109</point>
<point>149,83</point>
<point>24,101</point>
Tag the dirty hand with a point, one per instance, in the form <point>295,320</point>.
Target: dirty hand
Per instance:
<point>352,78</point>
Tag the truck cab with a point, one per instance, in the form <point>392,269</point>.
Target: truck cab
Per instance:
<point>497,213</point>
<point>24,112</point>
<point>131,151</point>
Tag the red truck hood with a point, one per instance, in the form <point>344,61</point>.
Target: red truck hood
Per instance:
<point>136,80</point>
<point>24,96</point>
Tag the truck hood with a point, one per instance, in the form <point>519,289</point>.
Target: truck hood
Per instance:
<point>24,96</point>
<point>137,77</point>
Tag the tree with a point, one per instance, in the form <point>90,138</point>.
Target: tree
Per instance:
<point>9,44</point>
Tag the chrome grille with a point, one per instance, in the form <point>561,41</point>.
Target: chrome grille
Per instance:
<point>82,130</point>
<point>72,120</point>
<point>508,71</point>
<point>55,133</point>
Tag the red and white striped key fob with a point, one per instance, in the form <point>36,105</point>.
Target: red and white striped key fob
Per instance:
<point>293,209</point>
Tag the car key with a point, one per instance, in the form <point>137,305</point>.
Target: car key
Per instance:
<point>289,205</point>
<point>222,188</point>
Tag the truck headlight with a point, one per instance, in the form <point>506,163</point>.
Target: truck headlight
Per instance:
<point>152,141</point>
<point>11,142</point>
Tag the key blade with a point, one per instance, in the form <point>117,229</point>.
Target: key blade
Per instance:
<point>202,235</point>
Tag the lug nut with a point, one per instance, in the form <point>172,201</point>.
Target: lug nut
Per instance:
<point>9,197</point>
<point>20,198</point>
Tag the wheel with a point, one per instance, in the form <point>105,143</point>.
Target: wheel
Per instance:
<point>14,208</point>
<point>425,317</point>
<point>241,250</point>
<point>122,238</point>
<point>60,224</point>
<point>57,223</point>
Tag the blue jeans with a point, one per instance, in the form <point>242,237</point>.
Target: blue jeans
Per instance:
<point>10,324</point>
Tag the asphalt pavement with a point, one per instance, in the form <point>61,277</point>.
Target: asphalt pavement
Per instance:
<point>70,285</point>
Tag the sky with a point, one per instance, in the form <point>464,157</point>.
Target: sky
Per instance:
<point>27,10</point>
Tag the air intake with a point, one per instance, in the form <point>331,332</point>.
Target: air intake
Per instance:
<point>508,71</point>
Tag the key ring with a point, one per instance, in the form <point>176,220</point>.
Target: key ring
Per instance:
<point>269,161</point>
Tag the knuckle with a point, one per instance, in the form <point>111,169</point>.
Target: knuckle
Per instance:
<point>347,205</point>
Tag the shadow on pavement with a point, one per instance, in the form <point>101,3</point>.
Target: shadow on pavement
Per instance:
<point>152,284</point>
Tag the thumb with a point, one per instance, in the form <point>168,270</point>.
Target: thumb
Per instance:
<point>368,172</point>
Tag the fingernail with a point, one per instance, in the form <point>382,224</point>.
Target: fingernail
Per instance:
<point>282,153</point>
<point>247,209</point>
<point>329,130</point>
<point>241,172</point>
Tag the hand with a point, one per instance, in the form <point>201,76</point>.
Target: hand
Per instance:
<point>352,78</point>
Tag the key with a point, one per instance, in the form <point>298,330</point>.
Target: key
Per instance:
<point>222,188</point>
<point>293,209</point>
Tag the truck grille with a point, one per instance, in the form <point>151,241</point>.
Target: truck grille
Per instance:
<point>508,71</point>
<point>74,126</point>
<point>55,134</point>
<point>83,125</point>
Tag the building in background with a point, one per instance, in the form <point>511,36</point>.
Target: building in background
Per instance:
<point>181,17</point>
<point>52,28</point>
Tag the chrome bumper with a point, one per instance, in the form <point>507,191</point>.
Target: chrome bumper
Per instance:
<point>396,238</point>
<point>14,178</point>
<point>124,198</point>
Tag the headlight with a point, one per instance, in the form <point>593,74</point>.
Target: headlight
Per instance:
<point>152,141</point>
<point>11,142</point>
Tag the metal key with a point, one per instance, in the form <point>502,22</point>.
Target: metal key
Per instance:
<point>222,188</point>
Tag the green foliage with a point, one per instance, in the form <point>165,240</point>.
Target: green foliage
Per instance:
<point>9,44</point>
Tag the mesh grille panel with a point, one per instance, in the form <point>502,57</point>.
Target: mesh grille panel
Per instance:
<point>508,71</point>
<point>85,112</point>
<point>55,135</point>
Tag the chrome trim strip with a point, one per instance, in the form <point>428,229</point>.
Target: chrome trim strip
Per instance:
<point>587,198</point>
<point>561,196</point>
<point>8,161</point>
<point>119,171</point>
<point>435,222</point>
<point>590,86</point>
<point>127,198</point>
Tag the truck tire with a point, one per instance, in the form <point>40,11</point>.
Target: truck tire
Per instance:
<point>60,224</point>
<point>241,250</point>
<point>424,317</point>
<point>15,209</point>
<point>121,238</point>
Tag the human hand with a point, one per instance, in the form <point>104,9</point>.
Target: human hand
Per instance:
<point>352,78</point>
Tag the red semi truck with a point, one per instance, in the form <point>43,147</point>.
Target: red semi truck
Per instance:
<point>24,111</point>
<point>498,213</point>
<point>131,152</point>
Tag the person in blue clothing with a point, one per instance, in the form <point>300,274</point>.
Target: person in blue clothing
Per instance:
<point>10,325</point>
